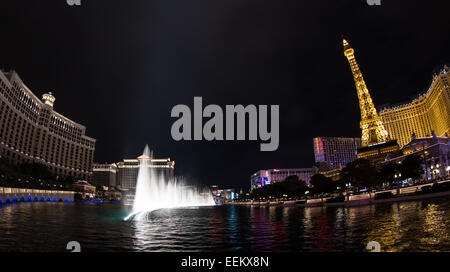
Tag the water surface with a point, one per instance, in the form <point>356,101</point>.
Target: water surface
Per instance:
<point>407,226</point>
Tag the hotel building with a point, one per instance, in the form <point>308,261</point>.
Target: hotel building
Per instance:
<point>128,169</point>
<point>222,195</point>
<point>266,177</point>
<point>435,153</point>
<point>31,131</point>
<point>104,174</point>
<point>335,152</point>
<point>428,112</point>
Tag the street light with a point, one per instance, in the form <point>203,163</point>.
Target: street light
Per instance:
<point>397,177</point>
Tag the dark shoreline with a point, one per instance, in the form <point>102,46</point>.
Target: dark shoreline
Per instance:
<point>361,200</point>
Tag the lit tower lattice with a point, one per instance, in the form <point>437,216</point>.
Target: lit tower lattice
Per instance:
<point>373,131</point>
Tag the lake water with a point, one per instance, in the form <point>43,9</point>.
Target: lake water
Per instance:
<point>408,226</point>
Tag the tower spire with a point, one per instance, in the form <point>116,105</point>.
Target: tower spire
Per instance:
<point>372,127</point>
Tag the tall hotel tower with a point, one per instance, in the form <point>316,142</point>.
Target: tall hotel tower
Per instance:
<point>335,152</point>
<point>375,142</point>
<point>31,131</point>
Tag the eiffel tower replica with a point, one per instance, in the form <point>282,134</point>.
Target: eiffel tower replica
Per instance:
<point>375,142</point>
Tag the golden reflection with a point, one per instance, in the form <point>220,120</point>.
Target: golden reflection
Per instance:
<point>311,214</point>
<point>434,226</point>
<point>384,228</point>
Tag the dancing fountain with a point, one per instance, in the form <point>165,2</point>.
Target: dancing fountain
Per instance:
<point>154,192</point>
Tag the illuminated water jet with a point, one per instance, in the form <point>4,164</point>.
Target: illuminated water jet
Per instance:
<point>155,192</point>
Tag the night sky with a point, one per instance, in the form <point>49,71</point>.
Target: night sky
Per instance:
<point>118,67</point>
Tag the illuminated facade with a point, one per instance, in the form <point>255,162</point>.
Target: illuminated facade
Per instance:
<point>379,152</point>
<point>428,112</point>
<point>222,195</point>
<point>321,168</point>
<point>336,152</point>
<point>435,153</point>
<point>104,174</point>
<point>266,177</point>
<point>128,170</point>
<point>373,131</point>
<point>31,131</point>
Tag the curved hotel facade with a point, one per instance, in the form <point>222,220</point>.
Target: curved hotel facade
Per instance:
<point>31,131</point>
<point>429,112</point>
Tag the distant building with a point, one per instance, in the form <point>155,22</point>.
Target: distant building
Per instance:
<point>435,152</point>
<point>104,174</point>
<point>222,195</point>
<point>31,131</point>
<point>112,195</point>
<point>228,194</point>
<point>379,152</point>
<point>214,189</point>
<point>266,177</point>
<point>335,152</point>
<point>128,169</point>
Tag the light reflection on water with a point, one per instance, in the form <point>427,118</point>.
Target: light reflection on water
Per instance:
<point>409,226</point>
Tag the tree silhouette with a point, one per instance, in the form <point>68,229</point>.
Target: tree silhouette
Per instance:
<point>322,184</point>
<point>360,173</point>
<point>387,172</point>
<point>411,167</point>
<point>292,186</point>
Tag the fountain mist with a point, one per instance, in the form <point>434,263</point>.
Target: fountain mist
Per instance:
<point>155,192</point>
